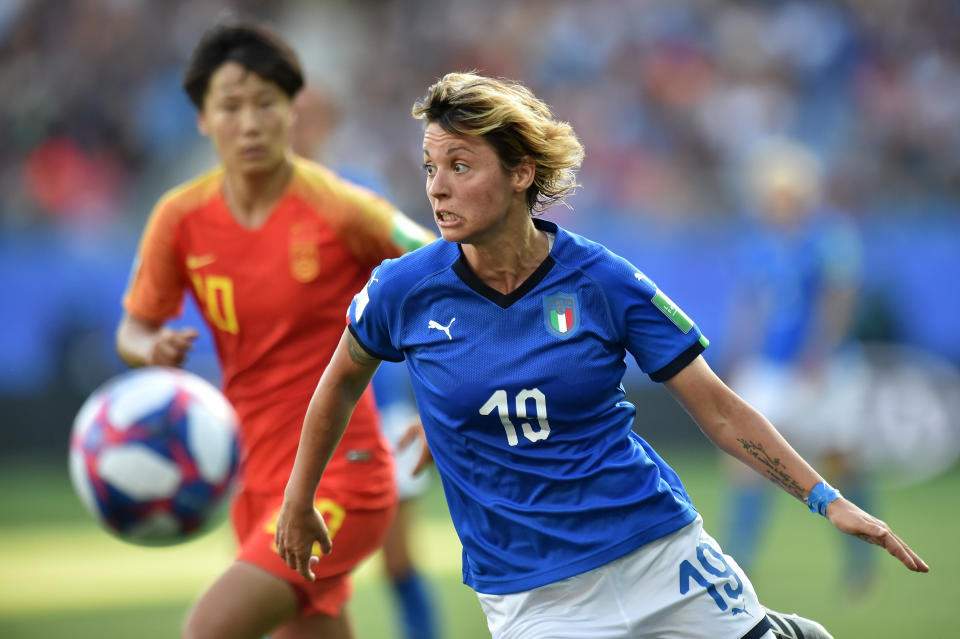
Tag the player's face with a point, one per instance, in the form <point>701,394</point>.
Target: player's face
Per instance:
<point>470,191</point>
<point>247,118</point>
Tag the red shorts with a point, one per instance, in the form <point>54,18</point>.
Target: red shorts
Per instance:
<point>355,534</point>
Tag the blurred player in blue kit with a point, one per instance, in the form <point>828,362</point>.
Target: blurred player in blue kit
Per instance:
<point>792,356</point>
<point>515,331</point>
<point>316,117</point>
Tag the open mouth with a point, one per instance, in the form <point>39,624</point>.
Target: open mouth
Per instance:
<point>445,217</point>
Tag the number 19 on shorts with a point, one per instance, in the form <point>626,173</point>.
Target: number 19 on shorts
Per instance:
<point>500,402</point>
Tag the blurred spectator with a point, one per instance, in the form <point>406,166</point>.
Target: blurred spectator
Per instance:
<point>674,91</point>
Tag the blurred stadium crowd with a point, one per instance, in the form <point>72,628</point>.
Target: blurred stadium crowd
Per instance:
<point>667,95</point>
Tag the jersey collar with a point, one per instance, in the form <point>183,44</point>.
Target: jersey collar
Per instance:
<point>467,276</point>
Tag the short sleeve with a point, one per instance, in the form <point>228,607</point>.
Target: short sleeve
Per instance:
<point>659,335</point>
<point>371,227</point>
<point>157,282</point>
<point>374,229</point>
<point>373,316</point>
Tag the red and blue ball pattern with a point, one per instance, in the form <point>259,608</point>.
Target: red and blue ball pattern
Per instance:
<point>153,454</point>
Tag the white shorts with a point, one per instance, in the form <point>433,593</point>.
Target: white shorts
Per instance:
<point>395,420</point>
<point>681,586</point>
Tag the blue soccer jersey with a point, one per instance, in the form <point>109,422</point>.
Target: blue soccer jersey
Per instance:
<point>522,404</point>
<point>788,274</point>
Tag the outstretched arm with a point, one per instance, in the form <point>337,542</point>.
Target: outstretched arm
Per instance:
<point>738,429</point>
<point>341,385</point>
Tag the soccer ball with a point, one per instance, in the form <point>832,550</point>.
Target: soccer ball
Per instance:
<point>153,453</point>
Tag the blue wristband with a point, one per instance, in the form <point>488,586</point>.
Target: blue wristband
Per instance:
<point>821,495</point>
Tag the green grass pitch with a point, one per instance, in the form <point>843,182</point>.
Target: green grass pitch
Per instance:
<point>61,576</point>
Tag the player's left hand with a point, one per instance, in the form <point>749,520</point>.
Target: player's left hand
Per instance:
<point>297,529</point>
<point>851,519</point>
<point>415,433</point>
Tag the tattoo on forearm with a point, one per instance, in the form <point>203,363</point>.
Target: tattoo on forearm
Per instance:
<point>358,354</point>
<point>774,468</point>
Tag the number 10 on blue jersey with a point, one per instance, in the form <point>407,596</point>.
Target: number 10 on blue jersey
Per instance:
<point>500,401</point>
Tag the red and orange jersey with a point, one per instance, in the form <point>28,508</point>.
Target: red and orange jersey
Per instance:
<point>275,298</point>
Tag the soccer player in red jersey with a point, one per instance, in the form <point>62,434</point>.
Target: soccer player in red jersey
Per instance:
<point>272,247</point>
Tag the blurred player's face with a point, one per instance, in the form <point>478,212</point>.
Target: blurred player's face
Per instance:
<point>247,118</point>
<point>785,206</point>
<point>470,191</point>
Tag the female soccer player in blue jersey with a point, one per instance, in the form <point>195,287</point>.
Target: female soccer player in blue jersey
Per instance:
<point>515,333</point>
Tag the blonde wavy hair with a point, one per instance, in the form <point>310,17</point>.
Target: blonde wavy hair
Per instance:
<point>515,122</point>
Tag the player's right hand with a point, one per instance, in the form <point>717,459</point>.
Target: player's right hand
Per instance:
<point>297,529</point>
<point>851,519</point>
<point>170,346</point>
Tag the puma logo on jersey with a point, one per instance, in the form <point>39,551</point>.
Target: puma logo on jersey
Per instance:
<point>199,261</point>
<point>441,327</point>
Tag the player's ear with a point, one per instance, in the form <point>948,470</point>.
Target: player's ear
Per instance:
<point>294,112</point>
<point>202,124</point>
<point>524,173</point>
<point>292,116</point>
